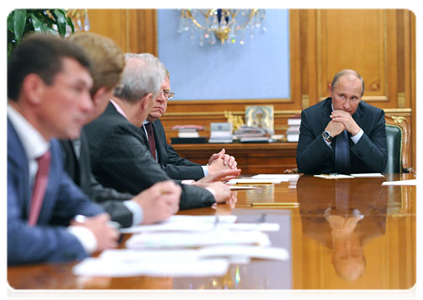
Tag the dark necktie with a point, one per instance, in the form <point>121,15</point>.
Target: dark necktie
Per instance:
<point>151,141</point>
<point>342,153</point>
<point>40,185</point>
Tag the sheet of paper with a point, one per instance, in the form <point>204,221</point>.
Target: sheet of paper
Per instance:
<point>190,255</point>
<point>195,239</point>
<point>334,176</point>
<point>254,181</point>
<point>148,267</point>
<point>196,227</point>
<point>370,175</point>
<point>401,182</point>
<point>248,251</point>
<point>183,223</point>
<point>243,187</point>
<point>282,177</point>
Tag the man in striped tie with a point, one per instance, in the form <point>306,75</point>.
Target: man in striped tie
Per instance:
<point>48,97</point>
<point>342,134</point>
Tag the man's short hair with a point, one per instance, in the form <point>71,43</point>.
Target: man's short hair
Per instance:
<point>40,54</point>
<point>143,74</point>
<point>107,59</point>
<point>347,72</point>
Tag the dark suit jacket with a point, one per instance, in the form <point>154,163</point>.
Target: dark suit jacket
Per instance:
<point>368,155</point>
<point>119,159</point>
<point>48,241</point>
<point>174,166</point>
<point>80,172</point>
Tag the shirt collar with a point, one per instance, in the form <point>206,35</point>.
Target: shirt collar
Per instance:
<point>33,142</point>
<point>118,108</point>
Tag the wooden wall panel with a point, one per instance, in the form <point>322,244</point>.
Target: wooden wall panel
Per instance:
<point>354,39</point>
<point>134,30</point>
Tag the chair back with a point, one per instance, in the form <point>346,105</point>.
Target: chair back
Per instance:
<point>397,138</point>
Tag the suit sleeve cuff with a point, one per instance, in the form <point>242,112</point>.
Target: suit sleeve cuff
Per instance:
<point>85,237</point>
<point>136,210</point>
<point>212,192</point>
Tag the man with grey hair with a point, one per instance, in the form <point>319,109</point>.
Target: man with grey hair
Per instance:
<point>119,157</point>
<point>342,134</point>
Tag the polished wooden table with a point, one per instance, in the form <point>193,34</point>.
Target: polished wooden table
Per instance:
<point>345,234</point>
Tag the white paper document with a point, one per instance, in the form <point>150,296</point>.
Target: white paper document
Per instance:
<point>194,239</point>
<point>334,176</point>
<point>243,187</point>
<point>190,255</point>
<point>282,177</point>
<point>254,181</point>
<point>246,251</point>
<point>401,182</point>
<point>152,267</point>
<point>370,175</point>
<point>183,223</point>
<point>202,227</point>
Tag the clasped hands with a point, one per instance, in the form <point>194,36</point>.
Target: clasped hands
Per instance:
<point>342,120</point>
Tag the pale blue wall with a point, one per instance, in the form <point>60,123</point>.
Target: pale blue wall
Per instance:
<point>259,69</point>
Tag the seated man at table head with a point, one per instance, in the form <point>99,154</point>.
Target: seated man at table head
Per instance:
<point>152,205</point>
<point>48,96</point>
<point>342,134</point>
<point>119,157</point>
<point>175,166</point>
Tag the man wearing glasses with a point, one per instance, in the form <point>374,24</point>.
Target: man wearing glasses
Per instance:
<point>175,166</point>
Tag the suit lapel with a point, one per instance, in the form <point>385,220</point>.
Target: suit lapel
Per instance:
<point>16,157</point>
<point>160,147</point>
<point>326,110</point>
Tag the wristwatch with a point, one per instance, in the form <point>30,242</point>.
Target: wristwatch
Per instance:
<point>326,135</point>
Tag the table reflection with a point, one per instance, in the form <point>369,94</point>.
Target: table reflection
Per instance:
<point>343,215</point>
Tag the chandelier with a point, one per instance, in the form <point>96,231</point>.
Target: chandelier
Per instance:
<point>226,25</point>
<point>79,19</point>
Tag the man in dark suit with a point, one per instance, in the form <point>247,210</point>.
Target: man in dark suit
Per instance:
<point>119,158</point>
<point>155,204</point>
<point>175,166</point>
<point>48,96</point>
<point>342,116</point>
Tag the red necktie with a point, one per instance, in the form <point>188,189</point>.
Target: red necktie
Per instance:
<point>40,185</point>
<point>151,141</point>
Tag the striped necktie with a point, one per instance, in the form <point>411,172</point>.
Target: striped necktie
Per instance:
<point>40,186</point>
<point>151,141</point>
<point>342,153</point>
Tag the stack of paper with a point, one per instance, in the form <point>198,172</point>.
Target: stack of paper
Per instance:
<point>207,261</point>
<point>186,246</point>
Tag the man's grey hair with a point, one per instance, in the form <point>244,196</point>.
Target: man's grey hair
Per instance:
<point>347,72</point>
<point>143,74</point>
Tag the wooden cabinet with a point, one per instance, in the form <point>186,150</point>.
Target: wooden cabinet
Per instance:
<point>252,158</point>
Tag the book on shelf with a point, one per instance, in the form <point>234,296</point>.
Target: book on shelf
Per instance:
<point>188,131</point>
<point>221,132</point>
<point>293,131</point>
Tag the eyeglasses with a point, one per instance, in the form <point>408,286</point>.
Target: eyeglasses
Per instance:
<point>167,94</point>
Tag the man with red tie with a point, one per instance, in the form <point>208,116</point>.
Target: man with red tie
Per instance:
<point>48,97</point>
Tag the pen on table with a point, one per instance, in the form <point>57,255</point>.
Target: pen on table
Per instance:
<point>285,204</point>
<point>82,219</point>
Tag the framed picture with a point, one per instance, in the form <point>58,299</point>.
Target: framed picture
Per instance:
<point>259,116</point>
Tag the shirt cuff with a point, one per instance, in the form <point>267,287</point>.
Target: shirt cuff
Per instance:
<point>205,170</point>
<point>357,137</point>
<point>327,143</point>
<point>187,181</point>
<point>136,210</point>
<point>85,237</point>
